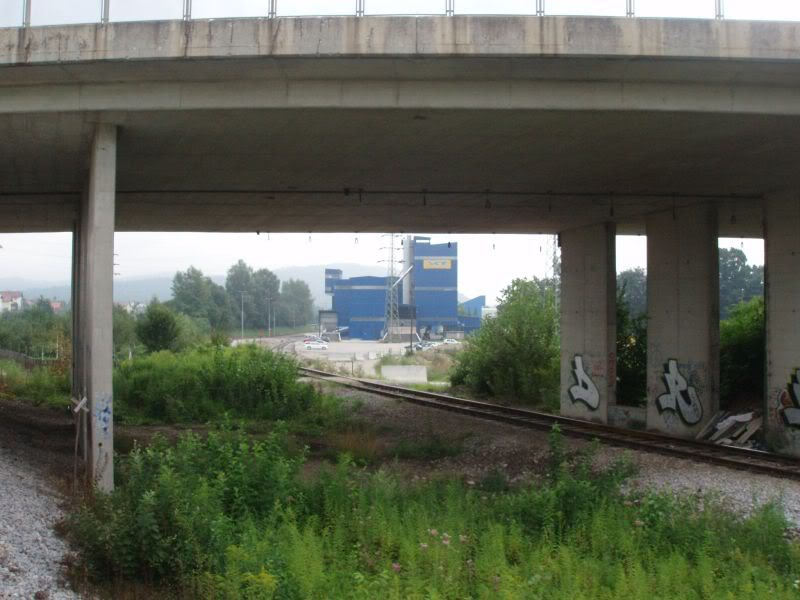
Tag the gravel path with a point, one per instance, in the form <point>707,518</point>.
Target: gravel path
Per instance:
<point>30,552</point>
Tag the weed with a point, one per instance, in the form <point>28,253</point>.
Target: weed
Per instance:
<point>226,518</point>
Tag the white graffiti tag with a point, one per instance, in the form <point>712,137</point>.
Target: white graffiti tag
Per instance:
<point>789,401</point>
<point>680,397</point>
<point>585,391</point>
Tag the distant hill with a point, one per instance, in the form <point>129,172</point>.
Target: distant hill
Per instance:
<point>143,289</point>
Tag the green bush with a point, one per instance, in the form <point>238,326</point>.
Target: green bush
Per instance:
<point>227,518</point>
<point>40,385</point>
<point>176,511</point>
<point>205,383</point>
<point>631,353</point>
<point>742,339</point>
<point>158,328</point>
<point>517,353</point>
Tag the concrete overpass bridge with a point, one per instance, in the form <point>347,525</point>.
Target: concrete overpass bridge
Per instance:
<point>683,130</point>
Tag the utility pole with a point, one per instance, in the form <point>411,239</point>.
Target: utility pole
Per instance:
<point>269,316</point>
<point>392,313</point>
<point>242,293</point>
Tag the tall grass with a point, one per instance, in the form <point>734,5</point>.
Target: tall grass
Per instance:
<point>227,518</point>
<point>207,382</point>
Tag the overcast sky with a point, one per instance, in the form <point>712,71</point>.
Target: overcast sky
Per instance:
<point>488,262</point>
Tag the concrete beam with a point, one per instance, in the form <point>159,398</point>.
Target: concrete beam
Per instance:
<point>782,294</point>
<point>585,95</point>
<point>683,319</point>
<point>553,36</point>
<point>96,302</point>
<point>588,322</point>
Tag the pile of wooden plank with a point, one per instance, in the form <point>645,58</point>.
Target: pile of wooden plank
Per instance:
<point>730,429</point>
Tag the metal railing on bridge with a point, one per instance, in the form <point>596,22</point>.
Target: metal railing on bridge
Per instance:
<point>360,8</point>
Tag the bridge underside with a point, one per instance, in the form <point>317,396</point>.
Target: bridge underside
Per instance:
<point>484,170</point>
<point>681,130</point>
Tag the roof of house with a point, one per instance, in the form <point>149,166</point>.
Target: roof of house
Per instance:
<point>10,296</point>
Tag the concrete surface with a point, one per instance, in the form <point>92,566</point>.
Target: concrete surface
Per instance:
<point>588,322</point>
<point>782,292</point>
<point>405,373</point>
<point>683,320</point>
<point>255,124</point>
<point>94,338</point>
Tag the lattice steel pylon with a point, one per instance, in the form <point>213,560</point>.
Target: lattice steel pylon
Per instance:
<point>392,312</point>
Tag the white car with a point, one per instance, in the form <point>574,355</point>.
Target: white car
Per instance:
<point>450,341</point>
<point>316,345</point>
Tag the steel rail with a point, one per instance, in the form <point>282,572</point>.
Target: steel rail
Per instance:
<point>698,450</point>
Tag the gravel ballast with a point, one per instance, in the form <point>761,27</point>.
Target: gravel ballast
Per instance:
<point>30,551</point>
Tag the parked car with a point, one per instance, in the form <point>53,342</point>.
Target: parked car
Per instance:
<point>316,345</point>
<point>450,341</point>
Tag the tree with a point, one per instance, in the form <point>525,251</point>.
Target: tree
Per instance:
<point>239,285</point>
<point>631,351</point>
<point>265,289</point>
<point>742,342</point>
<point>295,305</point>
<point>125,338</point>
<point>158,327</point>
<point>517,353</point>
<point>738,281</point>
<point>633,283</point>
<point>198,296</point>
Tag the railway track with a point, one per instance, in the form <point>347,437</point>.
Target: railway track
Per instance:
<point>728,456</point>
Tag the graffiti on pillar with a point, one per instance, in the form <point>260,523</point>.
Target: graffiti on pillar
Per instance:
<point>102,414</point>
<point>585,390</point>
<point>681,397</point>
<point>788,403</point>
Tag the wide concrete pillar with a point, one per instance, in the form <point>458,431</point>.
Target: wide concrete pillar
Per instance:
<point>588,322</point>
<point>782,294</point>
<point>683,319</point>
<point>95,300</point>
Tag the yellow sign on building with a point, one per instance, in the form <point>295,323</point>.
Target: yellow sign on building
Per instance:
<point>437,263</point>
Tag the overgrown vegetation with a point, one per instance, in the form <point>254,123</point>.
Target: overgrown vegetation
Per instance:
<point>36,331</point>
<point>742,341</point>
<point>42,385</point>
<point>226,517</point>
<point>207,382</point>
<point>517,353</point>
<point>631,352</point>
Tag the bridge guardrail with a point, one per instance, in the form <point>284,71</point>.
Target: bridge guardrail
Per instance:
<point>360,9</point>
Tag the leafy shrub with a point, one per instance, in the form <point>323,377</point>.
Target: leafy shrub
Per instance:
<point>517,353</point>
<point>176,511</point>
<point>158,328</point>
<point>742,339</point>
<point>204,383</point>
<point>631,353</point>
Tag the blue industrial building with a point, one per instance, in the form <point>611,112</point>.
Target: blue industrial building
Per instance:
<point>470,313</point>
<point>360,303</point>
<point>432,285</point>
<point>430,290</point>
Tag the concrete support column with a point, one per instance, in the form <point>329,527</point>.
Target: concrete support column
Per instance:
<point>782,294</point>
<point>588,322</point>
<point>683,319</point>
<point>95,299</point>
<point>78,344</point>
